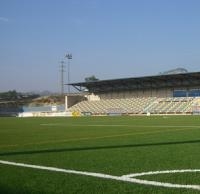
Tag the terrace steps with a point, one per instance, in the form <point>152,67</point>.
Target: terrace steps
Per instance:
<point>137,105</point>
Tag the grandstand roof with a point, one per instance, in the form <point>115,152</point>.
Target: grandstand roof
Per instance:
<point>137,83</point>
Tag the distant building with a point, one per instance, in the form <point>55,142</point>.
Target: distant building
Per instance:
<point>174,71</point>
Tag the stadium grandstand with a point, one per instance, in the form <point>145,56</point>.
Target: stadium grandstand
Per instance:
<point>166,93</point>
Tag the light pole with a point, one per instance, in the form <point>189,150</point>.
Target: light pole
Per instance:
<point>68,56</point>
<point>62,67</point>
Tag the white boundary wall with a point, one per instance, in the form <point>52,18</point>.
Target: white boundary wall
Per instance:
<point>45,114</point>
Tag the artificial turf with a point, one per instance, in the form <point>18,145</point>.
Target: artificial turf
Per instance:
<point>110,145</point>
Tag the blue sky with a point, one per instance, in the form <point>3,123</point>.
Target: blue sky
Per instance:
<point>107,38</point>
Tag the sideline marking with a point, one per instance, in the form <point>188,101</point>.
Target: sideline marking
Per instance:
<point>124,178</point>
<point>2,146</point>
<point>119,125</point>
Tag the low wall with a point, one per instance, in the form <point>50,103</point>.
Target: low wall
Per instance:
<point>45,114</point>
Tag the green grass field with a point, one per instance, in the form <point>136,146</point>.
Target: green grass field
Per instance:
<point>108,145</point>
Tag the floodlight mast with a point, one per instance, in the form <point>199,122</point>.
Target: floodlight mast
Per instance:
<point>62,70</point>
<point>69,57</point>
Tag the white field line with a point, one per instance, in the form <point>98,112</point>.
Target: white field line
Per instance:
<point>119,125</point>
<point>161,172</point>
<point>106,176</point>
<point>11,145</point>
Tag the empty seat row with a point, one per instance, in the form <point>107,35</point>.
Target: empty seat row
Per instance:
<point>136,105</point>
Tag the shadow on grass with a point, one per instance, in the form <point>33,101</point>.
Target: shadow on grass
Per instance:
<point>97,148</point>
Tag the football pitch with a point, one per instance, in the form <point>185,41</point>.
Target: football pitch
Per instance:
<point>100,155</point>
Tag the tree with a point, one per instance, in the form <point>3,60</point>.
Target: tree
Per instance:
<point>91,79</point>
<point>10,95</point>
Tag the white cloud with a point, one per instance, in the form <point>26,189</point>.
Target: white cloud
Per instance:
<point>3,19</point>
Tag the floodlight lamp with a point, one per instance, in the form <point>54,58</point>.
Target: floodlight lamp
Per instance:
<point>69,56</point>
